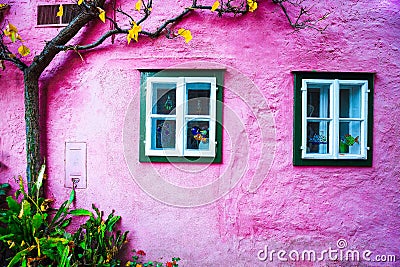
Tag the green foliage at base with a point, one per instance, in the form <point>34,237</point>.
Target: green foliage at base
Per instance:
<point>32,234</point>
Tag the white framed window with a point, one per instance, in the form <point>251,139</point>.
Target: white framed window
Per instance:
<point>180,117</point>
<point>333,118</point>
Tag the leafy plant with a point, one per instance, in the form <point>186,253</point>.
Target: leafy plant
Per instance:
<point>4,251</point>
<point>4,188</point>
<point>33,235</point>
<point>137,261</point>
<point>33,238</point>
<point>97,241</point>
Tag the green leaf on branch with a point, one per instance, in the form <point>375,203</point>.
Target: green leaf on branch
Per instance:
<point>13,205</point>
<point>81,212</point>
<point>37,221</point>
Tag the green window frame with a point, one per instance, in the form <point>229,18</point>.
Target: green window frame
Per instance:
<point>173,85</point>
<point>333,118</point>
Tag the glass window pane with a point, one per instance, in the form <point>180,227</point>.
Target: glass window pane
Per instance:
<point>164,98</point>
<point>198,98</point>
<point>318,137</point>
<point>349,137</point>
<point>163,134</point>
<point>198,135</point>
<point>350,101</point>
<point>70,12</point>
<point>318,101</point>
<point>47,14</point>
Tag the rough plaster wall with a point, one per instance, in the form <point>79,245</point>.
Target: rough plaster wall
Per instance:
<point>295,207</point>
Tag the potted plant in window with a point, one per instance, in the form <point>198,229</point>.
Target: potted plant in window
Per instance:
<point>346,142</point>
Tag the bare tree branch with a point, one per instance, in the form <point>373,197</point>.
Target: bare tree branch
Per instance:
<point>241,9</point>
<point>300,21</point>
<point>7,55</point>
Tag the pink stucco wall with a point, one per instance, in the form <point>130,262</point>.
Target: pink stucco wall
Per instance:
<point>223,214</point>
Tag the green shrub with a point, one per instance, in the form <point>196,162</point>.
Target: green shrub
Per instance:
<point>33,235</point>
<point>97,242</point>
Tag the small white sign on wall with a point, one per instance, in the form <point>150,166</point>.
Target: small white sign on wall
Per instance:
<point>75,165</point>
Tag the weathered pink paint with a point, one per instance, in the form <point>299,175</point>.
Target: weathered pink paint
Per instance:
<point>295,207</point>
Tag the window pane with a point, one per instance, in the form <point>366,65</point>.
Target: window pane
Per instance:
<point>198,135</point>
<point>350,101</point>
<point>163,136</point>
<point>70,12</point>
<point>318,137</point>
<point>47,14</point>
<point>198,98</point>
<point>164,98</point>
<point>349,135</point>
<point>318,101</point>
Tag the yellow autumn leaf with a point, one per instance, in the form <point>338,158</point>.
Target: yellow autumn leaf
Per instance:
<point>215,6</point>
<point>102,15</point>
<point>7,33</point>
<point>11,28</point>
<point>138,5</point>
<point>133,33</point>
<point>11,31</point>
<point>12,56</point>
<point>252,5</point>
<point>185,34</point>
<point>3,6</point>
<point>60,11</point>
<point>23,50</point>
<point>19,37</point>
<point>80,2</point>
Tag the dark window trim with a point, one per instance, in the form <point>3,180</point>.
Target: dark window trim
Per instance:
<point>144,73</point>
<point>297,119</point>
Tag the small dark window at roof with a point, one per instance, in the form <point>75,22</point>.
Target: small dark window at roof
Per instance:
<point>47,14</point>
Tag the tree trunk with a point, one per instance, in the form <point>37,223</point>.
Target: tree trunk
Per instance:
<point>31,84</point>
<point>33,153</point>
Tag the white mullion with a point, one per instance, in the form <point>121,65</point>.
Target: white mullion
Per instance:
<point>351,119</point>
<point>334,142</point>
<point>180,113</point>
<point>161,116</point>
<point>205,117</point>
